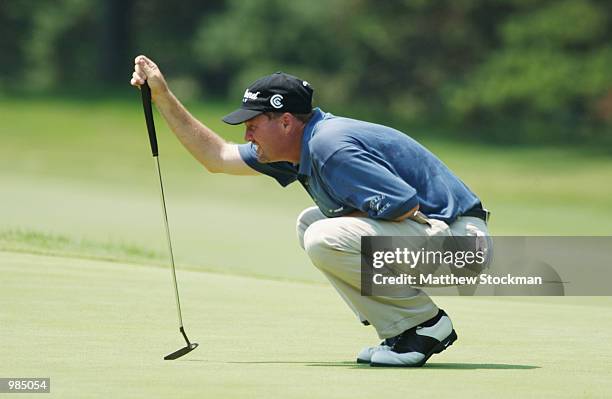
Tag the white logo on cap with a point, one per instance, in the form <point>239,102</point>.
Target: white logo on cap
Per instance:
<point>276,101</point>
<point>249,95</point>
<point>305,83</point>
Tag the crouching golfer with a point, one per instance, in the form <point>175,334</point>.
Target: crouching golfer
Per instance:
<point>366,180</point>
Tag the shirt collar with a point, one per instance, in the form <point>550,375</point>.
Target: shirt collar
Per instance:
<point>304,165</point>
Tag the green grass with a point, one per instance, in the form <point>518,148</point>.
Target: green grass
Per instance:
<point>100,329</point>
<point>53,244</point>
<point>82,170</point>
<point>80,300</point>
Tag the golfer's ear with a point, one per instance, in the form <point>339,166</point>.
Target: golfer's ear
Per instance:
<point>288,119</point>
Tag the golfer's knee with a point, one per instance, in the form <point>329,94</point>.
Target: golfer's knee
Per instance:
<point>316,244</point>
<point>307,217</point>
<point>324,241</point>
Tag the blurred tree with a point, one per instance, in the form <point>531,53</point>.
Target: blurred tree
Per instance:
<point>70,44</point>
<point>61,45</point>
<point>165,30</point>
<point>14,28</point>
<point>517,70</point>
<point>115,37</point>
<point>549,70</point>
<point>397,53</point>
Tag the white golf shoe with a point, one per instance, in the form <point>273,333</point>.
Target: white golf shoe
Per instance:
<point>365,355</point>
<point>415,346</point>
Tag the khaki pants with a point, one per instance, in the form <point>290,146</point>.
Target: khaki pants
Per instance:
<point>333,245</point>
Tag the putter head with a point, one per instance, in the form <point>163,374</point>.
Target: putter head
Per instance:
<point>181,352</point>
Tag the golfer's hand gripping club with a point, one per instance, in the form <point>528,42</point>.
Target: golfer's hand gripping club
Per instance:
<point>148,111</point>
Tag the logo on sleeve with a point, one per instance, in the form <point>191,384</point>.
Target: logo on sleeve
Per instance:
<point>376,204</point>
<point>276,101</point>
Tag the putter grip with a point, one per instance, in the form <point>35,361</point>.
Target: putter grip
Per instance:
<point>145,90</point>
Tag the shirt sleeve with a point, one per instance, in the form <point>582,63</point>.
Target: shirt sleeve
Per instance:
<point>284,172</point>
<point>366,182</point>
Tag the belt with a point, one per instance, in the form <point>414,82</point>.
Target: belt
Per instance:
<point>478,212</point>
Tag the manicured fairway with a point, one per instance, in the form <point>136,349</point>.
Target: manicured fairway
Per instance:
<point>99,330</point>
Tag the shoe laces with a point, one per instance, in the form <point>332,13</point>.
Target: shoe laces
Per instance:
<point>390,341</point>
<point>381,347</point>
<point>385,344</point>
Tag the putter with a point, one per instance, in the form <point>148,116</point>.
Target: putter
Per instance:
<point>148,111</point>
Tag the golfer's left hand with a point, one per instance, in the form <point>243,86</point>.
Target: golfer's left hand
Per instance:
<point>145,69</point>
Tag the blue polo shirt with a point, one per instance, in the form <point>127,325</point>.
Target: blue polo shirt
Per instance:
<point>347,165</point>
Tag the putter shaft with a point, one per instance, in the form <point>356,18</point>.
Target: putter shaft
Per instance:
<point>165,215</point>
<point>148,111</point>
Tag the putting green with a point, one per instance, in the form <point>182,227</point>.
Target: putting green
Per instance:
<point>78,179</point>
<point>99,329</point>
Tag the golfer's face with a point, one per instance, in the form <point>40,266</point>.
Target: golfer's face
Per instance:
<point>265,133</point>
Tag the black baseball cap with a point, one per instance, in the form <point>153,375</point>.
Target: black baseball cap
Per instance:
<point>279,92</point>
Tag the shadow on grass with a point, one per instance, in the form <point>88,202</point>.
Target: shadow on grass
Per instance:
<point>442,366</point>
<point>480,366</point>
<point>353,365</point>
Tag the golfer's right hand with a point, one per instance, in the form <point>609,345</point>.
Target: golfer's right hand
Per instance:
<point>145,69</point>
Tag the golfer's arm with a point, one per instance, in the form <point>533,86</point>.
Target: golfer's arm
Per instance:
<point>217,155</point>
